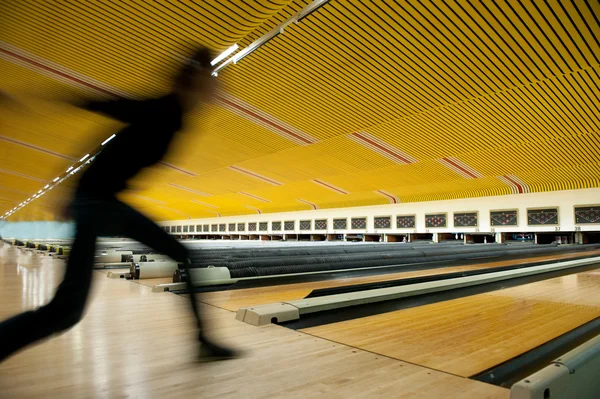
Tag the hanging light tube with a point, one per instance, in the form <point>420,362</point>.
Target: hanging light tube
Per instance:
<point>109,139</point>
<point>224,54</point>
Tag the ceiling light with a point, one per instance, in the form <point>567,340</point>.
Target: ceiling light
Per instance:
<point>46,186</point>
<point>223,65</point>
<point>84,158</point>
<point>243,53</point>
<point>70,168</point>
<point>224,54</point>
<point>55,179</point>
<point>109,139</point>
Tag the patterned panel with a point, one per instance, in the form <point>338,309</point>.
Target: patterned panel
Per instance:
<point>539,217</point>
<point>241,226</point>
<point>587,214</point>
<point>252,226</point>
<point>276,226</point>
<point>359,223</point>
<point>500,88</point>
<point>383,222</point>
<point>179,229</point>
<point>465,219</point>
<point>231,226</point>
<point>340,224</point>
<point>321,224</point>
<point>263,226</point>
<point>191,229</point>
<point>185,229</point>
<point>436,220</point>
<point>222,227</point>
<point>406,222</point>
<point>504,218</point>
<point>214,228</point>
<point>289,225</point>
<point>199,228</point>
<point>305,225</point>
<point>205,228</point>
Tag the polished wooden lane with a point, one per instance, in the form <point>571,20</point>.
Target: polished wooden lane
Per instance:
<point>469,335</point>
<point>137,344</point>
<point>235,299</point>
<point>151,282</point>
<point>106,271</point>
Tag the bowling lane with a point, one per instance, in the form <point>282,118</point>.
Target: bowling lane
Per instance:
<point>469,335</point>
<point>151,282</point>
<point>235,299</point>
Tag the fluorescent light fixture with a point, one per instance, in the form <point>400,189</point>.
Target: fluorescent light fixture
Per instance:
<point>46,186</point>
<point>242,54</point>
<point>309,9</point>
<point>256,44</point>
<point>109,139</point>
<point>223,65</point>
<point>70,169</point>
<point>54,181</point>
<point>224,54</point>
<point>84,158</point>
<point>39,191</point>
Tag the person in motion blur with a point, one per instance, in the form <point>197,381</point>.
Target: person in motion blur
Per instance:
<point>151,126</point>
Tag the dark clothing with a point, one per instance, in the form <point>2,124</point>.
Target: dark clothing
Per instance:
<point>152,126</point>
<point>97,212</point>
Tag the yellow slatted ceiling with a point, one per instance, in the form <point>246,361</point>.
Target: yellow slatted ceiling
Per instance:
<point>507,88</point>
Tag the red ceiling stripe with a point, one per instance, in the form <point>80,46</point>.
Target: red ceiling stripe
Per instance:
<point>331,187</point>
<point>238,169</point>
<point>457,166</point>
<point>253,114</point>
<point>374,144</point>
<point>57,72</point>
<point>519,187</point>
<point>56,154</point>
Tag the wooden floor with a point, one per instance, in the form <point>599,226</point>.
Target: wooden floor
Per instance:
<point>137,344</point>
<point>235,299</point>
<point>149,282</point>
<point>469,335</point>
